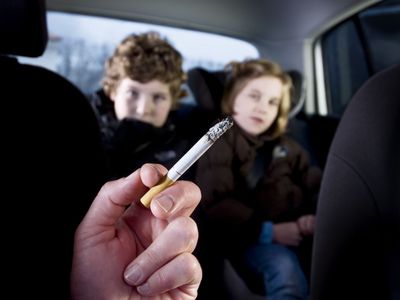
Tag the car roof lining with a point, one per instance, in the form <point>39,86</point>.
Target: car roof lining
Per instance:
<point>256,21</point>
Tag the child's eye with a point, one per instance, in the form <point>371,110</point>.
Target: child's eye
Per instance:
<point>159,97</point>
<point>255,96</point>
<point>133,94</point>
<point>274,102</point>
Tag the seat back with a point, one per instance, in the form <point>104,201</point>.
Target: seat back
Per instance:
<point>207,88</point>
<point>52,158</point>
<point>356,251</point>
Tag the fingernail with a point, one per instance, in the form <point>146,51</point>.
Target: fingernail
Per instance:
<point>133,275</point>
<point>144,289</point>
<point>165,202</point>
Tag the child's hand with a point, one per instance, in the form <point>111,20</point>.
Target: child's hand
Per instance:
<point>306,224</point>
<point>287,233</point>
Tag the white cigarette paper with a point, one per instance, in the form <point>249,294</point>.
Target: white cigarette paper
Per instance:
<point>188,159</point>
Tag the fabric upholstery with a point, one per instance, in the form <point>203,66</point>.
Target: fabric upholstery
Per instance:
<point>357,242</point>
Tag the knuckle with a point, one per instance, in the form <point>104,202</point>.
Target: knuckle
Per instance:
<point>192,265</point>
<point>152,255</point>
<point>186,229</point>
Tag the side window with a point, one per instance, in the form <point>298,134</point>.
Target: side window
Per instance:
<point>381,29</point>
<point>345,65</point>
<point>358,48</point>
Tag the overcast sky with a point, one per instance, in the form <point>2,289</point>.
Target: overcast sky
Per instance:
<point>192,45</point>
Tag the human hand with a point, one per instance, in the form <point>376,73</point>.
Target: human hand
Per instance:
<point>123,250</point>
<point>306,224</point>
<point>287,233</point>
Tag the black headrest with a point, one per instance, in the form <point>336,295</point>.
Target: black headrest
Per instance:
<point>208,86</point>
<point>23,27</point>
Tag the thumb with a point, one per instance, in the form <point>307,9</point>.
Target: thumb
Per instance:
<point>115,196</point>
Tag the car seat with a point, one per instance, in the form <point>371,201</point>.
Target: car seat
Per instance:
<point>356,251</point>
<point>207,88</point>
<point>52,160</point>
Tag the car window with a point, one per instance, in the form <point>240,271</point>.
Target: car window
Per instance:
<point>79,46</point>
<point>357,49</point>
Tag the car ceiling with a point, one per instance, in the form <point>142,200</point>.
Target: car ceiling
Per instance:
<point>277,28</point>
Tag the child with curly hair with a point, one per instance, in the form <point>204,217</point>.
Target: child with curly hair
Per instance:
<point>136,106</point>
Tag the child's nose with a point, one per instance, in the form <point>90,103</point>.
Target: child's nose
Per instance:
<point>144,106</point>
<point>261,107</point>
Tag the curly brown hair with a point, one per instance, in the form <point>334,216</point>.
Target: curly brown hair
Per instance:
<point>240,73</point>
<point>143,58</point>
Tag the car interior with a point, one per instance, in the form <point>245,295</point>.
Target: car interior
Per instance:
<point>345,112</point>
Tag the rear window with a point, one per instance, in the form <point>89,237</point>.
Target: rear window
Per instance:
<point>79,46</point>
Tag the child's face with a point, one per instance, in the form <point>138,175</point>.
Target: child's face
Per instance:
<point>257,104</point>
<point>147,102</point>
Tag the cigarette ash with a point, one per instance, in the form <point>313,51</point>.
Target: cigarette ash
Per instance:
<point>219,129</point>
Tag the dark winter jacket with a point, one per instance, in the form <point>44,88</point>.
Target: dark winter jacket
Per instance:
<point>131,143</point>
<point>246,180</point>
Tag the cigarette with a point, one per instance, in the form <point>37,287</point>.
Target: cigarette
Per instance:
<point>205,142</point>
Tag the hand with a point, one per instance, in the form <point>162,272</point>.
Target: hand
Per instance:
<point>125,251</point>
<point>306,224</point>
<point>287,233</point>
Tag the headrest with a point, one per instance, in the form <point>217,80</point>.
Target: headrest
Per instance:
<point>208,86</point>
<point>299,93</point>
<point>23,27</point>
